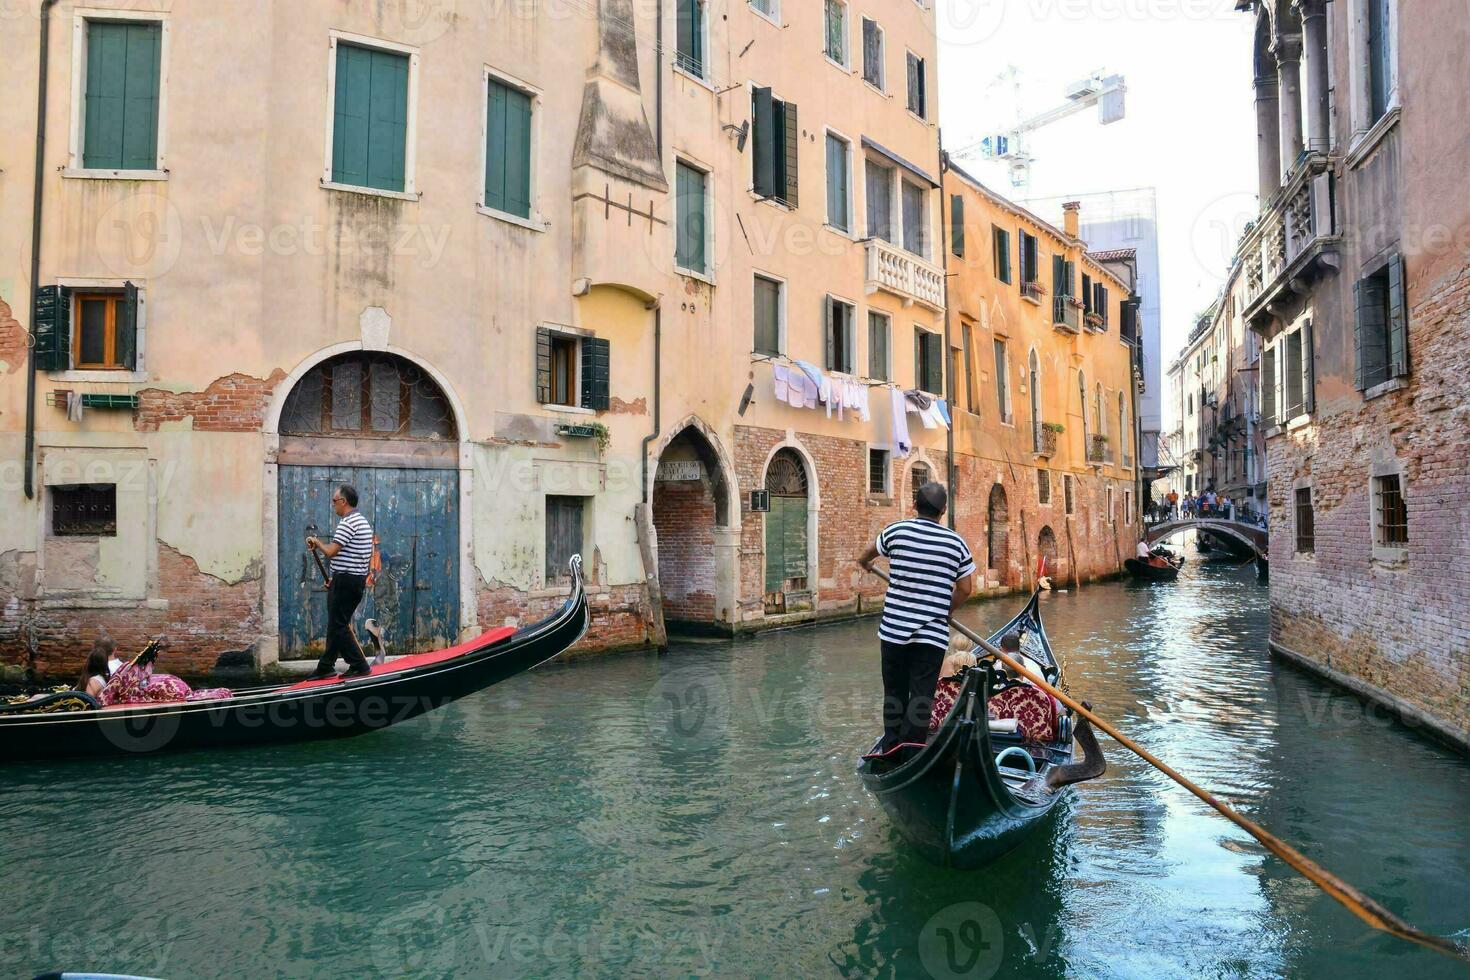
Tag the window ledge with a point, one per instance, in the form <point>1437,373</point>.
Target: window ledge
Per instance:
<point>774,202</point>
<point>773,21</point>
<point>840,233</point>
<point>701,82</point>
<point>1298,422</point>
<point>534,223</point>
<point>1379,390</point>
<point>104,375</point>
<point>1033,300</point>
<point>881,91</point>
<point>328,185</point>
<point>916,116</point>
<point>703,277</point>
<point>569,410</point>
<point>845,69</point>
<point>1390,557</point>
<point>880,500</point>
<point>1273,431</point>
<point>1366,142</point>
<point>82,173</point>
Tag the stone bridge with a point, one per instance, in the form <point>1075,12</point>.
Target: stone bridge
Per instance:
<point>1252,536</point>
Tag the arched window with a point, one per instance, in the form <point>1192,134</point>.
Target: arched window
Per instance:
<point>366,395</point>
<point>1097,411</point>
<point>1082,407</point>
<point>1122,426</point>
<point>918,476</point>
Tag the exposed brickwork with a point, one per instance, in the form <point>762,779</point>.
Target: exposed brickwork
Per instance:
<point>13,340</point>
<point>204,618</point>
<point>1400,627</point>
<point>619,614</point>
<point>684,517</point>
<point>234,403</point>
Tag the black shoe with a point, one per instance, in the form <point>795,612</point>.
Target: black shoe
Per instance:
<point>351,672</point>
<point>320,675</point>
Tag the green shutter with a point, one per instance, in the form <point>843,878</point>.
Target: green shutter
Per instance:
<point>127,328</point>
<point>957,225</point>
<point>690,37</point>
<point>1398,320</point>
<point>1309,370</point>
<point>51,327</point>
<point>370,118</point>
<point>837,189</point>
<point>1372,353</point>
<point>508,150</point>
<point>934,364</point>
<point>120,125</point>
<point>543,365</point>
<point>689,243</point>
<point>793,528</point>
<point>595,373</point>
<point>763,154</point>
<point>792,139</point>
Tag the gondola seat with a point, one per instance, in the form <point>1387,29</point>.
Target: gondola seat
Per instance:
<point>1034,711</point>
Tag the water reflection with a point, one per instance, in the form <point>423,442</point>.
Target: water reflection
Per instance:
<point>699,814</point>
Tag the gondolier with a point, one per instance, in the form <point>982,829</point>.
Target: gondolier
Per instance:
<point>930,574</point>
<point>350,552</point>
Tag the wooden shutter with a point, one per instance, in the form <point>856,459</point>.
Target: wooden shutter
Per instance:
<point>127,328</point>
<point>934,363</point>
<point>829,317</point>
<point>791,140</point>
<point>1058,276</point>
<point>1370,339</point>
<point>508,150</point>
<point>543,365</point>
<point>1398,320</point>
<point>120,128</point>
<point>957,225</point>
<point>370,121</point>
<point>51,326</point>
<point>849,341</point>
<point>1102,303</point>
<point>763,155</point>
<point>1087,294</point>
<point>1069,276</point>
<point>595,373</point>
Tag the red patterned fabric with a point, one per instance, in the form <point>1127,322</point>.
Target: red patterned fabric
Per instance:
<point>1034,710</point>
<point>140,685</point>
<point>944,696</point>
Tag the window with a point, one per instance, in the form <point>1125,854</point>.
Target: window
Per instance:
<point>507,149</point>
<point>918,82</point>
<point>769,305</point>
<point>1067,500</point>
<point>1127,507</point>
<point>1380,57</point>
<point>1001,251</point>
<point>95,330</point>
<point>878,180</point>
<point>771,9</point>
<point>879,328</point>
<point>121,96</point>
<point>873,54</point>
<point>1087,294</point>
<point>692,215</point>
<point>1292,379</point>
<point>1268,388</point>
<point>1030,268</point>
<point>572,370</point>
<point>1033,389</point>
<point>928,361</point>
<point>967,342</point>
<point>1391,515</point>
<point>370,118</point>
<point>839,189</point>
<point>368,395</point>
<point>1112,517</point>
<point>878,471</point>
<point>919,476</point>
<point>841,345</point>
<point>1043,487</point>
<point>1063,277</point>
<point>836,31</point>
<point>563,534</point>
<point>692,28</point>
<point>776,135</point>
<point>1123,428</point>
<point>1002,381</point>
<point>1382,326</point>
<point>1306,522</point>
<point>957,225</point>
<point>1082,406</point>
<point>1100,304</point>
<point>88,509</point>
<point>915,219</point>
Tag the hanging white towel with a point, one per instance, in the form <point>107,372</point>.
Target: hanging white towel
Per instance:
<point>901,443</point>
<point>781,379</point>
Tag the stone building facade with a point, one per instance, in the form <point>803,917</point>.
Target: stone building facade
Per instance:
<point>1355,278</point>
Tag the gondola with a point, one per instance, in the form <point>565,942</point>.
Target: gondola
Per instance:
<point>71,724</point>
<point>976,789</point>
<point>1263,568</point>
<point>1153,573</point>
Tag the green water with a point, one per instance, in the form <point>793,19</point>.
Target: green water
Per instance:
<point>698,814</point>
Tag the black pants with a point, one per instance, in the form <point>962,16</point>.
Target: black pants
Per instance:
<point>343,596</point>
<point>910,671</point>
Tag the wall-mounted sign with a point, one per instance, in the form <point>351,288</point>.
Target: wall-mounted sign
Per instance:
<point>760,501</point>
<point>680,470</point>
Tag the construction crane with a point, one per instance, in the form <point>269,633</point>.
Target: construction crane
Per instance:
<point>1104,91</point>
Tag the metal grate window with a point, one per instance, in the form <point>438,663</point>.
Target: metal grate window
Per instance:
<point>878,471</point>
<point>918,476</point>
<point>1393,515</point>
<point>1043,487</point>
<point>84,509</point>
<point>1306,522</point>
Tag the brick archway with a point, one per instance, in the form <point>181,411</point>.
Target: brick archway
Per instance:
<point>690,501</point>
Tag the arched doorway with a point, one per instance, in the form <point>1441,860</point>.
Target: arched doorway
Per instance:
<point>690,499</point>
<point>787,558</point>
<point>1046,547</point>
<point>379,422</point>
<point>998,521</point>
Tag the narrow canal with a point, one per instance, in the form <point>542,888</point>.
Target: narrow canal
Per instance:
<point>699,814</point>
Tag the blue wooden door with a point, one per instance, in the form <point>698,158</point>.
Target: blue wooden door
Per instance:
<point>415,515</point>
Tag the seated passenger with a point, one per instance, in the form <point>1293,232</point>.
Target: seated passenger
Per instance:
<point>960,656</point>
<point>136,683</point>
<point>96,674</point>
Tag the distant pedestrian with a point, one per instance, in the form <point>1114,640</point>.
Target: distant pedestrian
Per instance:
<point>351,552</point>
<point>1173,499</point>
<point>931,573</point>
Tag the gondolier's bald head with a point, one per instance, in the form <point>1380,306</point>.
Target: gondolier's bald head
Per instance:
<point>930,500</point>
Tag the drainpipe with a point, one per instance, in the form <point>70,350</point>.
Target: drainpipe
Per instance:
<point>658,313</point>
<point>30,451</point>
<point>949,359</point>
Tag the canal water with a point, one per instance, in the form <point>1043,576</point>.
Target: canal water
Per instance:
<point>698,814</point>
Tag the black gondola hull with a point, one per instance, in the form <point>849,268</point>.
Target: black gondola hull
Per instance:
<point>1151,573</point>
<point>288,713</point>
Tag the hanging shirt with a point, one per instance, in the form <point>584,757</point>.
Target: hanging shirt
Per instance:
<point>897,405</point>
<point>925,560</point>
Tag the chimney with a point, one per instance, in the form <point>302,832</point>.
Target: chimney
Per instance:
<point>1072,218</point>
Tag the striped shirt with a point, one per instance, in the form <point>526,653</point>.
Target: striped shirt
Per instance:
<point>355,536</point>
<point>925,560</point>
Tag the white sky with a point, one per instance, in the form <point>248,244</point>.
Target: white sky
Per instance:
<point>1189,130</point>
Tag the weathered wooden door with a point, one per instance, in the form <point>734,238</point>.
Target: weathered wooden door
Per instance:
<point>786,525</point>
<point>415,515</point>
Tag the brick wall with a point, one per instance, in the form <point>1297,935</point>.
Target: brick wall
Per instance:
<point>234,403</point>
<point>619,615</point>
<point>1401,628</point>
<point>684,518</point>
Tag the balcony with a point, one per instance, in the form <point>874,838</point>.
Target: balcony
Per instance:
<point>1044,439</point>
<point>1032,291</point>
<point>904,274</point>
<point>1295,241</point>
<point>1098,450</point>
<point>1095,323</point>
<point>1066,314</point>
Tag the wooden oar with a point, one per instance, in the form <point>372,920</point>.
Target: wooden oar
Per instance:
<point>1345,894</point>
